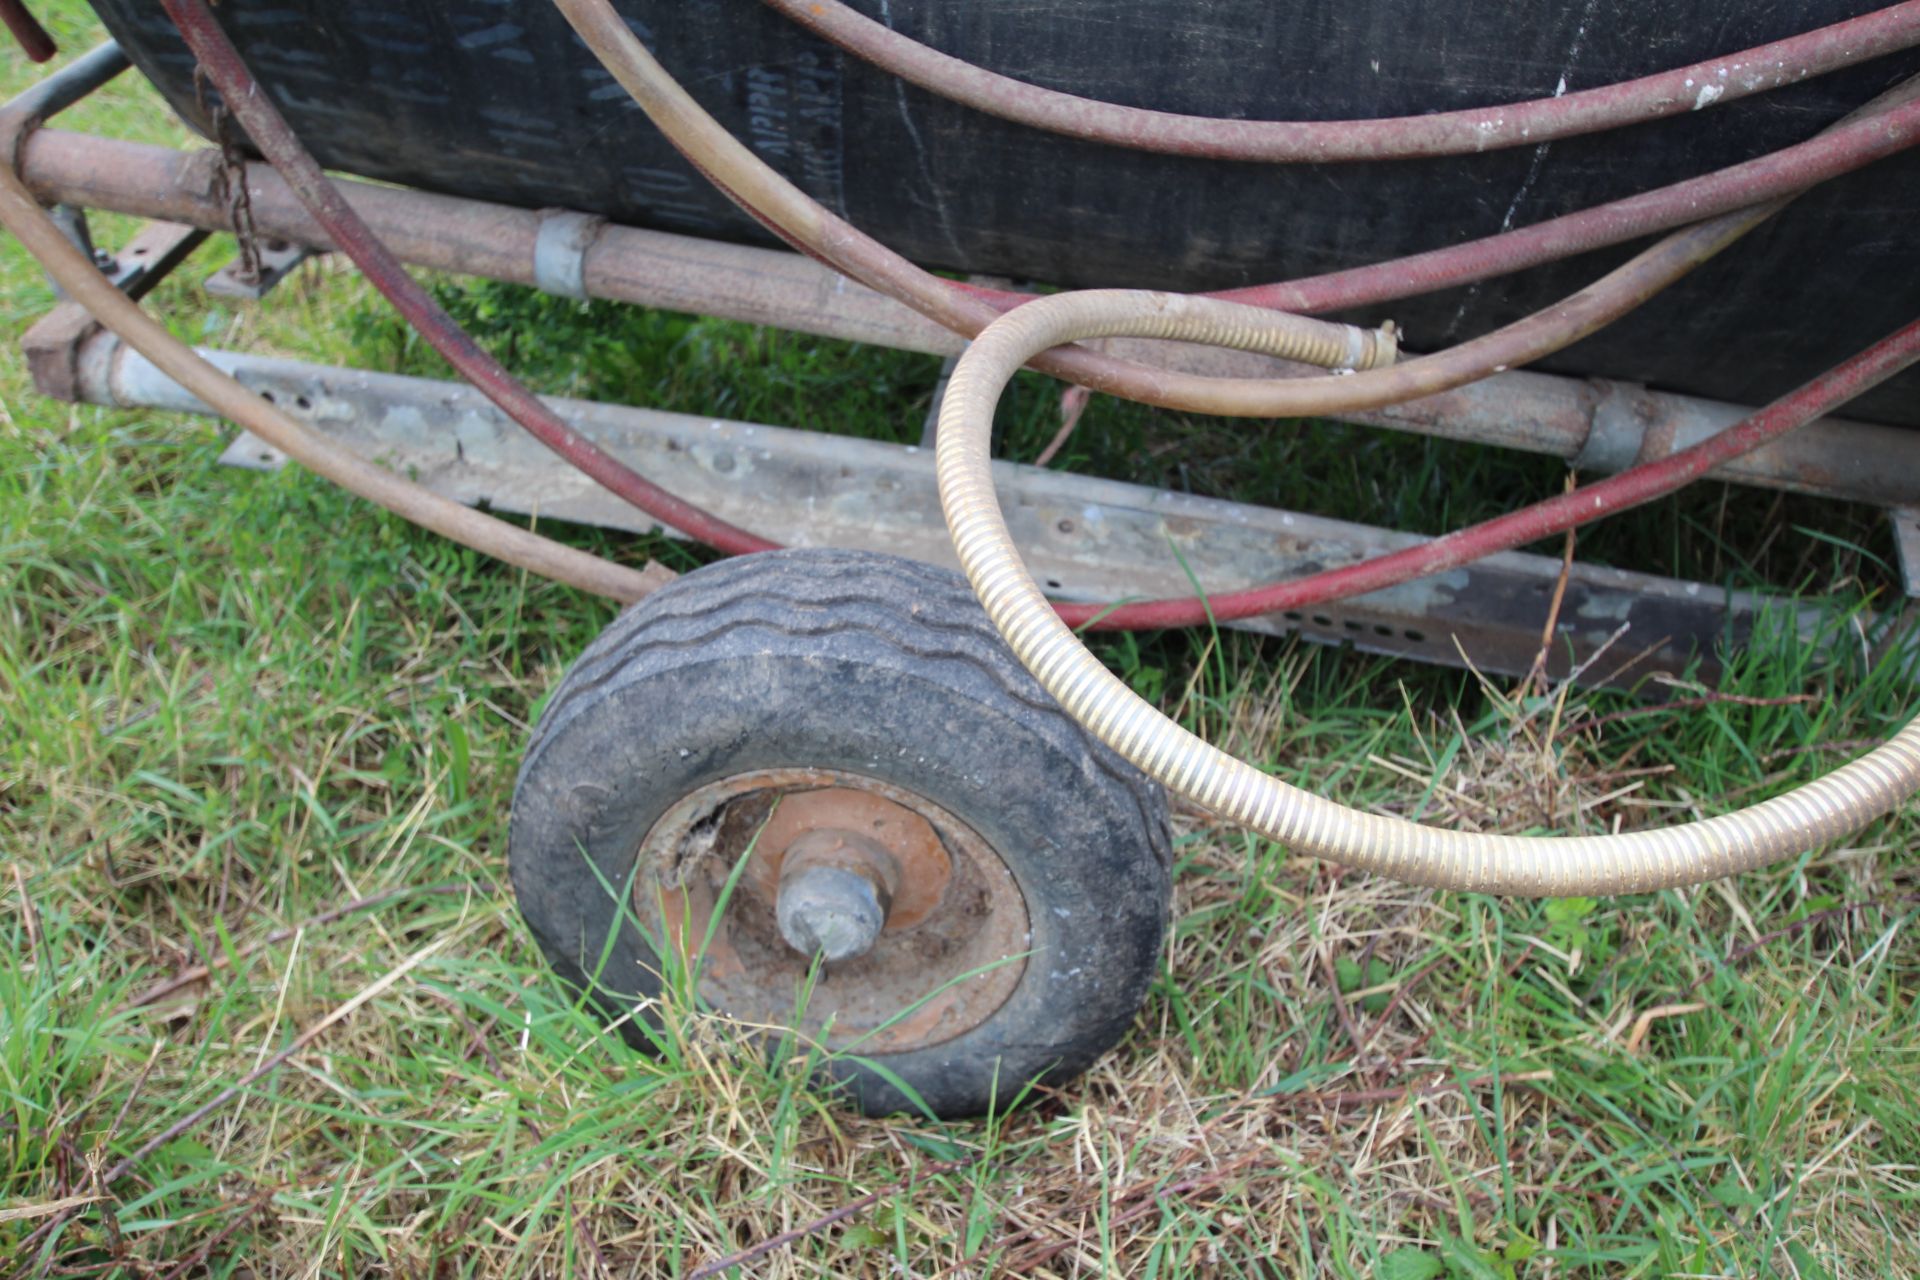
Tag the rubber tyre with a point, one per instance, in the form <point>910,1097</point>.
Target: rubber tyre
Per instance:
<point>873,665</point>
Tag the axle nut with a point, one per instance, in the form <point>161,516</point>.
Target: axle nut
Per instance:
<point>836,888</point>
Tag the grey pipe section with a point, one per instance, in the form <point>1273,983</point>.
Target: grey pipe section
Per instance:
<point>46,98</point>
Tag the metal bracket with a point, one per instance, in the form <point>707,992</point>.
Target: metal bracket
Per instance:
<point>123,271</point>
<point>52,345</point>
<point>560,251</point>
<point>1906,546</point>
<point>72,221</point>
<point>250,453</point>
<point>930,425</point>
<point>278,258</point>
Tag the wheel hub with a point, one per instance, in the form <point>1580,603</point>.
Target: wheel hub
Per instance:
<point>921,925</point>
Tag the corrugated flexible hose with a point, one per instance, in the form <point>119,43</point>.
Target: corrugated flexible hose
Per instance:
<point>1639,861</point>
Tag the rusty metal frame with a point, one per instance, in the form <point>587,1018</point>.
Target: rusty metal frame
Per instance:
<point>1088,539</point>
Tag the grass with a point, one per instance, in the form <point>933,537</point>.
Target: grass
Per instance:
<point>251,725</point>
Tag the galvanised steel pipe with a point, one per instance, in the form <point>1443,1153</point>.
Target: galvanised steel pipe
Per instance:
<point>1447,133</point>
<point>1640,861</point>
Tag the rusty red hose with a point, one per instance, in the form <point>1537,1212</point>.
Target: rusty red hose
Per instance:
<point>799,219</point>
<point>27,31</point>
<point>1631,488</point>
<point>270,132</point>
<point>1893,125</point>
<point>1889,125</point>
<point>1448,133</point>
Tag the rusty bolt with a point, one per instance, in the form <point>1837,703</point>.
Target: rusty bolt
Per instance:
<point>836,888</point>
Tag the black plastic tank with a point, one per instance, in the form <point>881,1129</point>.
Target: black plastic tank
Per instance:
<point>497,100</point>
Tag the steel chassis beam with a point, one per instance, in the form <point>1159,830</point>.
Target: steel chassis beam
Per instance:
<point>1086,538</point>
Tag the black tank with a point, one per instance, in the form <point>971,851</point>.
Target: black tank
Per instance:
<point>497,100</point>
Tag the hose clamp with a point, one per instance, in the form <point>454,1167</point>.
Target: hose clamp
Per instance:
<point>1616,430</point>
<point>560,251</point>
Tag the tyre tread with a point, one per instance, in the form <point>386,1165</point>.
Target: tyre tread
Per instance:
<point>701,609</point>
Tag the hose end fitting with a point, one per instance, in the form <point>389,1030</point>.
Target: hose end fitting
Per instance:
<point>1368,348</point>
<point>1383,347</point>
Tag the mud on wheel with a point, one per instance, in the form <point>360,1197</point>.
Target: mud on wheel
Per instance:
<point>986,885</point>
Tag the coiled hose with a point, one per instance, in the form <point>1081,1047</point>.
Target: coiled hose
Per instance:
<point>1536,867</point>
<point>1819,812</point>
<point>802,222</point>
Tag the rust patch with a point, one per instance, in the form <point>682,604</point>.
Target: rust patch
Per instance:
<point>925,866</point>
<point>950,955</point>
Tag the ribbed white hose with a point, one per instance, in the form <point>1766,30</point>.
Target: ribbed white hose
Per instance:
<point>1637,861</point>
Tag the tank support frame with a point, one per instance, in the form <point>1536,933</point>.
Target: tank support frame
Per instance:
<point>1088,539</point>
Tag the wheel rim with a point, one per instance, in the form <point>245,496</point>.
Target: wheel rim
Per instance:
<point>954,944</point>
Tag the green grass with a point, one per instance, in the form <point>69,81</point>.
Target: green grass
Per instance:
<point>232,705</point>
